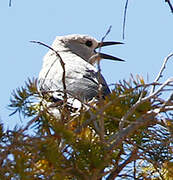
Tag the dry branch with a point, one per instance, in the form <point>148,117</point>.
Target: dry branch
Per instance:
<point>62,64</point>
<point>160,74</point>
<point>119,137</point>
<point>170,5</point>
<point>124,20</point>
<point>119,168</point>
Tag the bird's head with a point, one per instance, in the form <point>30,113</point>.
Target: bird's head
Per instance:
<point>84,46</point>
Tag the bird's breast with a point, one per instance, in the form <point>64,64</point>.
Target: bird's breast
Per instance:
<point>50,77</point>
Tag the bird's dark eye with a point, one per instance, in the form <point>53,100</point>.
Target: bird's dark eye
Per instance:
<point>89,43</point>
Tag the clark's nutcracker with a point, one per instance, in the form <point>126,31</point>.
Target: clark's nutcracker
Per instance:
<point>82,79</point>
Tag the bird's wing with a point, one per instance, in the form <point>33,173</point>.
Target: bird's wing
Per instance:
<point>87,87</point>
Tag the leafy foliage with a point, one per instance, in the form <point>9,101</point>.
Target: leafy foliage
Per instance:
<point>112,139</point>
<point>24,98</point>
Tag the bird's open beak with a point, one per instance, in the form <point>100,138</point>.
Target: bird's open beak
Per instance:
<point>106,56</point>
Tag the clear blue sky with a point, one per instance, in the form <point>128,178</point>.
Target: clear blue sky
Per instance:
<point>148,38</point>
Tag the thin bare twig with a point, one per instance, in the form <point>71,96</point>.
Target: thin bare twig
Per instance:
<point>170,5</point>
<point>108,31</point>
<point>119,168</point>
<point>161,71</point>
<point>101,122</point>
<point>122,134</point>
<point>134,169</point>
<point>98,65</point>
<point>166,106</point>
<point>62,64</point>
<point>103,38</point>
<point>124,20</point>
<point>9,3</point>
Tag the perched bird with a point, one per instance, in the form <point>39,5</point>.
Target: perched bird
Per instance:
<point>82,79</point>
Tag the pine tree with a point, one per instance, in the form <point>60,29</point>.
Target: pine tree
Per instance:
<point>127,135</point>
